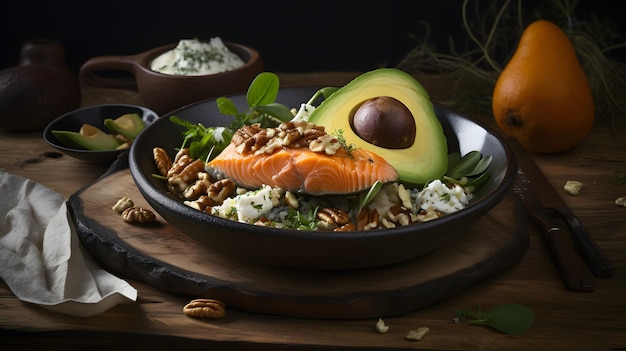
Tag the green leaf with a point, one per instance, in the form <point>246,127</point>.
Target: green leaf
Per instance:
<point>227,107</point>
<point>475,182</point>
<point>370,195</point>
<point>509,318</point>
<point>275,109</point>
<point>466,165</point>
<point>263,90</point>
<point>328,91</point>
<point>453,160</point>
<point>325,92</point>
<point>481,166</point>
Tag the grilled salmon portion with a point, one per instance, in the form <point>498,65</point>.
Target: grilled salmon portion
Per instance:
<point>303,170</point>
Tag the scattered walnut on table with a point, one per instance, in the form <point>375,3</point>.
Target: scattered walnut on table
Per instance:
<point>122,204</point>
<point>573,187</point>
<point>381,327</point>
<point>417,334</point>
<point>205,308</point>
<point>138,215</point>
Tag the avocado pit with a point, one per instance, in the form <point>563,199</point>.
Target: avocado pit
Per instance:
<point>385,122</point>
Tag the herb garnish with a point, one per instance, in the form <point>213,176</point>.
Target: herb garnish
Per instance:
<point>338,134</point>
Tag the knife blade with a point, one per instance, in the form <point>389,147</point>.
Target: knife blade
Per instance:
<point>554,204</point>
<point>575,274</point>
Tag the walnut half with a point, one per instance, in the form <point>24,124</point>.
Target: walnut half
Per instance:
<point>138,215</point>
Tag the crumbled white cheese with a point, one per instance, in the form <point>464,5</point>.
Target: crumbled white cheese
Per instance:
<point>249,206</point>
<point>303,113</point>
<point>192,57</point>
<point>218,134</point>
<point>443,199</point>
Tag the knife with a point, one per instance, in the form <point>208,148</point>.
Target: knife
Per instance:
<point>575,274</point>
<point>584,243</point>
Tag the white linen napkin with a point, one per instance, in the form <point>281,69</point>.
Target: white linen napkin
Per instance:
<point>41,259</point>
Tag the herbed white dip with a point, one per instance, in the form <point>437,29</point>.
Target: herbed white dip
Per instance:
<point>192,57</point>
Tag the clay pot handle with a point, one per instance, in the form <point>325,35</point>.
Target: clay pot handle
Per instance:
<point>89,72</point>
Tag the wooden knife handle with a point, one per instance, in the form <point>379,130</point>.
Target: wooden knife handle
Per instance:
<point>585,245</point>
<point>575,273</point>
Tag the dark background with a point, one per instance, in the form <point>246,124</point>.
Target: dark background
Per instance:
<point>292,36</point>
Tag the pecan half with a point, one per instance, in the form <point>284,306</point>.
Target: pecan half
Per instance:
<point>205,308</point>
<point>333,216</point>
<point>162,160</point>
<point>368,218</point>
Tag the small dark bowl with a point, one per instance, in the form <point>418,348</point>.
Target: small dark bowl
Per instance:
<point>94,115</point>
<point>318,250</point>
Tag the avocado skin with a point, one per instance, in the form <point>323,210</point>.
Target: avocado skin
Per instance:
<point>96,140</point>
<point>128,125</point>
<point>420,163</point>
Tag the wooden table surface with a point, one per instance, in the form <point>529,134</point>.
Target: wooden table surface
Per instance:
<point>565,320</point>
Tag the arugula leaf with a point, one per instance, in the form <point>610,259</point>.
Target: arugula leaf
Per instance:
<point>227,107</point>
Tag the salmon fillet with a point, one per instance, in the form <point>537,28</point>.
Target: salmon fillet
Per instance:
<point>302,170</point>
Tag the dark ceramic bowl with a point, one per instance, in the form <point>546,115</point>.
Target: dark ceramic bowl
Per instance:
<point>94,115</point>
<point>318,250</point>
<point>163,93</point>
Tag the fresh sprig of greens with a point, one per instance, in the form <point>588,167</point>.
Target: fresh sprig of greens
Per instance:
<point>303,221</point>
<point>203,142</point>
<point>207,142</point>
<point>509,318</point>
<point>262,105</point>
<point>468,170</point>
<point>338,134</point>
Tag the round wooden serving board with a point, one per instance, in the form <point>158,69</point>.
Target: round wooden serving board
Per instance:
<point>162,256</point>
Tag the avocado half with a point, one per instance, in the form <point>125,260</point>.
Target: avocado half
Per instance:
<point>427,158</point>
<point>88,137</point>
<point>128,125</point>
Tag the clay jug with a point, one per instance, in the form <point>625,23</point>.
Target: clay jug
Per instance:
<point>37,90</point>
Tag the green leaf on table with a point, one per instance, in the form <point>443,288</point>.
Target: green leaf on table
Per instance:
<point>509,318</point>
